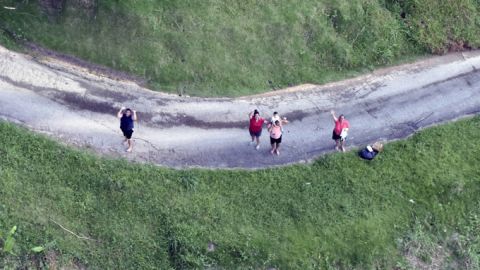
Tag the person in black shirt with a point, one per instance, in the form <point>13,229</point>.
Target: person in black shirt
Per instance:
<point>127,116</point>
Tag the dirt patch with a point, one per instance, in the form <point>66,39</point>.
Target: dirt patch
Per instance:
<point>38,50</point>
<point>52,7</point>
<point>105,93</point>
<point>37,89</point>
<point>296,115</point>
<point>52,258</point>
<point>167,120</point>
<point>86,4</point>
<point>458,46</point>
<point>473,72</point>
<point>79,102</point>
<point>436,261</point>
<point>72,99</point>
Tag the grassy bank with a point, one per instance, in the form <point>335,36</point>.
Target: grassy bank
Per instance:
<point>417,203</point>
<point>233,48</point>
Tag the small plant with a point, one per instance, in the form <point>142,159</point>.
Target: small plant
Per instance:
<point>9,241</point>
<point>38,249</point>
<point>189,182</point>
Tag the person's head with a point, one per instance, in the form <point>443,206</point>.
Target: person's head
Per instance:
<point>377,146</point>
<point>127,112</point>
<point>277,123</point>
<point>275,114</point>
<point>341,117</point>
<point>256,114</point>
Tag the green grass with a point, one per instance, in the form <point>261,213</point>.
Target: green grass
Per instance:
<point>234,48</point>
<point>340,212</point>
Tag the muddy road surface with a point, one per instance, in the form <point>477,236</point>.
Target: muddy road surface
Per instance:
<point>77,106</point>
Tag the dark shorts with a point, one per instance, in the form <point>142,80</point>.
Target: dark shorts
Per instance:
<point>255,134</point>
<point>127,133</point>
<point>277,141</point>
<point>335,136</point>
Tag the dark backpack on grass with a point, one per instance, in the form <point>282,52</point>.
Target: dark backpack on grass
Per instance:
<point>365,154</point>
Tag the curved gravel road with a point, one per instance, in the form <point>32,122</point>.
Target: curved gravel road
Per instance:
<point>76,106</point>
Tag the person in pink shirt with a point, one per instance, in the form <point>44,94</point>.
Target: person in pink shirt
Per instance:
<point>340,131</point>
<point>255,127</point>
<point>275,130</point>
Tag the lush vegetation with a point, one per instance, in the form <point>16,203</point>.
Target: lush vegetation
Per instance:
<point>233,48</point>
<point>416,203</point>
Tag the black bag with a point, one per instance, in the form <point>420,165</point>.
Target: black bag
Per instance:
<point>365,154</point>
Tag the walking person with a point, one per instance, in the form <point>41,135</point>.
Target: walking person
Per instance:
<point>255,127</point>
<point>127,117</point>
<point>340,131</point>
<point>275,130</point>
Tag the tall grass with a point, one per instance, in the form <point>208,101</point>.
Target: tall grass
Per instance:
<point>339,212</point>
<point>233,48</point>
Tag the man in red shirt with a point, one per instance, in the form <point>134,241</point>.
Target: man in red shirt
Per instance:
<point>255,128</point>
<point>340,131</point>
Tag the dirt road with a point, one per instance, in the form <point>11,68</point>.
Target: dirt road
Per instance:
<point>77,107</point>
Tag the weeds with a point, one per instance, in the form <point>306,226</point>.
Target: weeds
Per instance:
<point>9,241</point>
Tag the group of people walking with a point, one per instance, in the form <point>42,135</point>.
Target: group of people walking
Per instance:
<point>274,126</point>
<point>275,129</point>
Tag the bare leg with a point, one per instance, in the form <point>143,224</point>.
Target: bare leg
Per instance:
<point>257,146</point>
<point>342,145</point>
<point>130,145</point>
<point>274,147</point>
<point>253,139</point>
<point>337,145</point>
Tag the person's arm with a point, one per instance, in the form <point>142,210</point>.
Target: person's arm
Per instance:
<point>284,121</point>
<point>250,115</point>
<point>134,117</point>
<point>344,132</point>
<point>120,113</point>
<point>333,115</point>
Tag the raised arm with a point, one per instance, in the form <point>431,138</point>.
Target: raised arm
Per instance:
<point>333,115</point>
<point>250,115</point>
<point>120,113</point>
<point>134,117</point>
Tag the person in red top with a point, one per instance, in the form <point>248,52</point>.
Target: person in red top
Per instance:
<point>255,128</point>
<point>340,131</point>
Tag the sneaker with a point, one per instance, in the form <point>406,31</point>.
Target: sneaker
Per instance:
<point>277,152</point>
<point>129,150</point>
<point>257,147</point>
